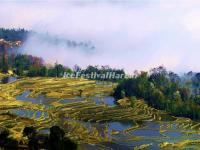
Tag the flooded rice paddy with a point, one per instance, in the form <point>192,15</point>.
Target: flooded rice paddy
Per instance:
<point>92,118</point>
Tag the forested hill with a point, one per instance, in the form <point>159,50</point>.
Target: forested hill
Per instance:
<point>166,90</point>
<point>13,34</point>
<point>22,34</point>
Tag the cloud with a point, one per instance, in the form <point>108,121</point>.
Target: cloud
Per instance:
<point>127,34</point>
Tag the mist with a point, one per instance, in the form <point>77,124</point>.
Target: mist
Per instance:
<point>129,34</point>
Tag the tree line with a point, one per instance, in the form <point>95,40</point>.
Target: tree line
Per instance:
<point>56,140</point>
<point>165,90</point>
<point>22,34</point>
<point>13,34</point>
<point>32,66</point>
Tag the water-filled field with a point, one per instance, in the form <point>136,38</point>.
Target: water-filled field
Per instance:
<point>90,115</point>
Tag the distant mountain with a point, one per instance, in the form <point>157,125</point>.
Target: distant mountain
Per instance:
<point>22,35</point>
<point>56,40</point>
<point>13,34</point>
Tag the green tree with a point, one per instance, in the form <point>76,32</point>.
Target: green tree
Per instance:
<point>57,141</point>
<point>30,132</point>
<point>5,141</point>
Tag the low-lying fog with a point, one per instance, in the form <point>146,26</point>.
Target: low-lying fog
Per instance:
<point>125,34</point>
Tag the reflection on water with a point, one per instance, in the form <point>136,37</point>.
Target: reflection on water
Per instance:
<point>41,99</point>
<point>149,132</point>
<point>44,131</point>
<point>173,134</point>
<point>120,126</point>
<point>150,129</point>
<point>75,99</point>
<point>108,100</point>
<point>117,146</point>
<point>28,113</point>
<point>8,80</point>
<point>146,132</point>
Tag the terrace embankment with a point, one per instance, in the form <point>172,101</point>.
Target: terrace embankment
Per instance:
<point>90,115</point>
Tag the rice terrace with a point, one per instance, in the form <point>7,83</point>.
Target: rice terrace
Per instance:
<point>92,118</point>
<point>99,75</point>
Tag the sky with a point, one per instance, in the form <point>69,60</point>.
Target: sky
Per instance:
<point>129,34</point>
